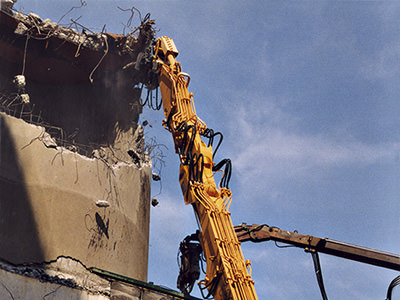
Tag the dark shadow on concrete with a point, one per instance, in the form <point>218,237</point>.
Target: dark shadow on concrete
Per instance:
<point>89,114</point>
<point>103,228</point>
<point>19,242</point>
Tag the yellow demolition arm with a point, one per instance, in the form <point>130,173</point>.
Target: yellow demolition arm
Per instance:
<point>227,275</point>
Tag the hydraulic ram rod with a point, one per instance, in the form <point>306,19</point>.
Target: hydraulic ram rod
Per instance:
<point>261,233</point>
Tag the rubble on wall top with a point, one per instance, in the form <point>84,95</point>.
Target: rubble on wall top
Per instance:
<point>33,25</point>
<point>7,5</point>
<point>73,43</point>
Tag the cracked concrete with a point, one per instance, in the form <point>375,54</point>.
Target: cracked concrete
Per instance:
<point>67,278</point>
<point>64,271</point>
<point>62,189</point>
<point>21,287</point>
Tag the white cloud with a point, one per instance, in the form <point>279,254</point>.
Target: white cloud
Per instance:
<point>267,142</point>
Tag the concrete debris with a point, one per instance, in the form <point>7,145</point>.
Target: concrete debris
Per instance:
<point>19,82</point>
<point>21,29</point>
<point>102,203</point>
<point>72,148</point>
<point>93,41</point>
<point>7,5</point>
<point>74,270</point>
<point>48,141</point>
<point>25,98</point>
<point>156,177</point>
<point>139,134</point>
<point>48,25</point>
<point>38,28</point>
<point>154,202</point>
<point>34,18</point>
<point>135,157</point>
<point>99,153</point>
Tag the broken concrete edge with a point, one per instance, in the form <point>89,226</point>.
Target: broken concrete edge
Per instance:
<point>103,153</point>
<point>70,272</point>
<point>95,55</point>
<point>145,285</point>
<point>64,270</point>
<point>132,134</point>
<point>33,26</point>
<point>7,5</point>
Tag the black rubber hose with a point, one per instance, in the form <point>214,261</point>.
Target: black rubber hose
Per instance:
<point>227,172</point>
<point>392,284</point>
<point>318,272</point>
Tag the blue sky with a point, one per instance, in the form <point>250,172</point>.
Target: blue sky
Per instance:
<point>306,95</point>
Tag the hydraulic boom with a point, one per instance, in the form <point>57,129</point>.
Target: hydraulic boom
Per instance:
<point>227,275</point>
<point>262,233</point>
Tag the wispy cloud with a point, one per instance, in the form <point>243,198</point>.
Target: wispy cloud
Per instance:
<point>268,142</point>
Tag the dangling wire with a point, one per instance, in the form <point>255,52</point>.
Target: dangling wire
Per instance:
<point>146,18</point>
<point>151,101</point>
<point>318,272</point>
<point>392,284</point>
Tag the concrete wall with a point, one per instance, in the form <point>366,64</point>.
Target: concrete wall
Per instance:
<point>52,204</point>
<point>74,177</point>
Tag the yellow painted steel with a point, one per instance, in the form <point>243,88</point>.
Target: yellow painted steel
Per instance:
<point>227,275</point>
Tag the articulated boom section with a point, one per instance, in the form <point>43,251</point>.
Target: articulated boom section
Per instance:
<point>227,275</point>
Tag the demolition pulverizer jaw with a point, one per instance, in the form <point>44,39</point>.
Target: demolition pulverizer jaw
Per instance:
<point>189,270</point>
